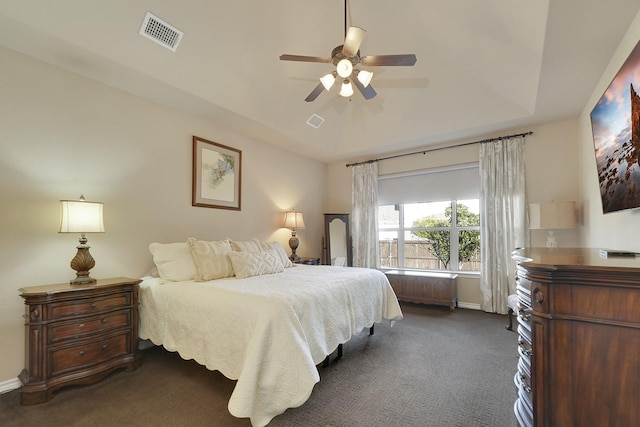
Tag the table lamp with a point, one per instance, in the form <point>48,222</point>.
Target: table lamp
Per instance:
<point>81,216</point>
<point>552,216</point>
<point>293,220</point>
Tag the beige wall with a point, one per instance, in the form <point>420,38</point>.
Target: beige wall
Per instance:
<point>551,174</point>
<point>62,135</point>
<point>613,230</point>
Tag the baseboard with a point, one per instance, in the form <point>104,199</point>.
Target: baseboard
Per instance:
<point>470,306</point>
<point>10,385</point>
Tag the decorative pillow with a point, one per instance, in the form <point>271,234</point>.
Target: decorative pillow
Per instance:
<point>174,261</point>
<point>252,246</point>
<point>284,258</point>
<point>249,264</point>
<point>210,259</point>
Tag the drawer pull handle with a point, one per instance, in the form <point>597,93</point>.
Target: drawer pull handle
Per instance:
<point>81,325</point>
<point>81,353</point>
<point>105,346</point>
<point>105,320</point>
<point>523,348</point>
<point>525,316</point>
<point>538,296</point>
<point>94,305</point>
<point>523,380</point>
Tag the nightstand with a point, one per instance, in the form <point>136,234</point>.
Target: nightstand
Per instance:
<point>308,261</point>
<point>78,334</point>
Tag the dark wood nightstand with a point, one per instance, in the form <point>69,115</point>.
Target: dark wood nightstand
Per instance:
<point>308,261</point>
<point>78,334</point>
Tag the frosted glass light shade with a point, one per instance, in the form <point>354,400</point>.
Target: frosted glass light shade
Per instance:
<point>81,217</point>
<point>365,77</point>
<point>347,89</point>
<point>327,81</point>
<point>293,220</point>
<point>344,68</point>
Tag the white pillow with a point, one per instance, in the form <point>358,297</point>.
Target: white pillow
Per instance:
<point>174,261</point>
<point>276,246</point>
<point>249,264</point>
<point>252,246</point>
<point>210,259</point>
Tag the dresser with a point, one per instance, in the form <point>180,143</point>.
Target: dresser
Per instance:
<point>578,338</point>
<point>78,334</point>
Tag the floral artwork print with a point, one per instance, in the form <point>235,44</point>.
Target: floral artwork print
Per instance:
<point>216,175</point>
<point>222,169</point>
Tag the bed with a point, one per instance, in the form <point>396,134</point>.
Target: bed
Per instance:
<point>267,331</point>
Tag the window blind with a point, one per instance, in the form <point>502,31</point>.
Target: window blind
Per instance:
<point>459,182</point>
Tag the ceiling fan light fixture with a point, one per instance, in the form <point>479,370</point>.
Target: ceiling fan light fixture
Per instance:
<point>347,89</point>
<point>327,81</point>
<point>344,68</point>
<point>365,77</point>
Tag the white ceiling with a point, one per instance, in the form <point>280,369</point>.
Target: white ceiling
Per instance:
<point>483,66</point>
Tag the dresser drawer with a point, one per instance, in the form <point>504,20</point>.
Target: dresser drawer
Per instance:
<point>90,353</point>
<point>523,381</point>
<point>80,328</point>
<point>524,413</point>
<point>89,305</point>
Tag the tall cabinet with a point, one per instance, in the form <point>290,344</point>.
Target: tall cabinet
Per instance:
<point>579,338</point>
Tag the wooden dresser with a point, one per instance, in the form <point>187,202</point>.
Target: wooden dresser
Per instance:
<point>579,338</point>
<point>78,334</point>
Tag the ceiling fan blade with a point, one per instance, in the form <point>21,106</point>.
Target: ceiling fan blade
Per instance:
<point>368,92</point>
<point>315,93</point>
<point>353,40</point>
<point>302,58</point>
<point>389,60</point>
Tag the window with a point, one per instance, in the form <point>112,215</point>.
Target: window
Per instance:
<point>430,219</point>
<point>431,236</point>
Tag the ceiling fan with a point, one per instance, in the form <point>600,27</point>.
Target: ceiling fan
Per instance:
<point>346,58</point>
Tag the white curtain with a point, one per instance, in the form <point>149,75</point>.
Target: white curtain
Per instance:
<point>503,219</point>
<point>364,215</point>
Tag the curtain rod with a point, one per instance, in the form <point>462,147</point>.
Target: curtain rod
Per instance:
<point>499,138</point>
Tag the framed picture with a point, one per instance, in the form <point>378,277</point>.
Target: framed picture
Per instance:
<point>217,173</point>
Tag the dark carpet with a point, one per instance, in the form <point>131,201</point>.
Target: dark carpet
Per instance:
<point>433,368</point>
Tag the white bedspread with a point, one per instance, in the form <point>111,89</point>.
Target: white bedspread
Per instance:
<point>267,332</point>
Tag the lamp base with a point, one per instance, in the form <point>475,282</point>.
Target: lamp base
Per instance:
<point>82,280</point>
<point>82,263</point>
<point>293,244</point>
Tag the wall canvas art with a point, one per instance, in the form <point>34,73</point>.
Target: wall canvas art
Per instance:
<point>615,122</point>
<point>216,175</point>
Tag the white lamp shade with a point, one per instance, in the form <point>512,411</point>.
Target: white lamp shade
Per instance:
<point>365,77</point>
<point>347,89</point>
<point>327,81</point>
<point>344,68</point>
<point>552,215</point>
<point>81,217</point>
<point>293,220</point>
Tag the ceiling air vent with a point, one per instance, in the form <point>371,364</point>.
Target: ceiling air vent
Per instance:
<point>315,121</point>
<point>160,32</point>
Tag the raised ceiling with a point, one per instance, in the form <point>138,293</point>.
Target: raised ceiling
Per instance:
<point>483,66</point>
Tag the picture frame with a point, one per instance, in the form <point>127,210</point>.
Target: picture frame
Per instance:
<point>217,175</point>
